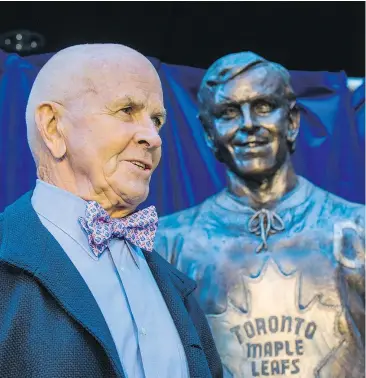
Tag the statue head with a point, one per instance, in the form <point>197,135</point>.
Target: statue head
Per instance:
<point>248,109</point>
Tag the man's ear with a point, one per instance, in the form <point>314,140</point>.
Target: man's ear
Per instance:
<point>47,118</point>
<point>294,123</point>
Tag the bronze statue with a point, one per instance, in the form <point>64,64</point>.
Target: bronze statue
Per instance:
<point>279,262</point>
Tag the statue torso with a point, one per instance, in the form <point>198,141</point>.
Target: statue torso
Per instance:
<point>293,309</point>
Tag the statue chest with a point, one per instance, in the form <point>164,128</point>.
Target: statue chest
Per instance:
<point>277,312</point>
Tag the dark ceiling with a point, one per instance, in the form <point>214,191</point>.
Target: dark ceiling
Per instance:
<point>326,36</point>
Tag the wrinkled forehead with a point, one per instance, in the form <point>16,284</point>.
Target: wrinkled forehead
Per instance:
<point>128,76</point>
<point>259,82</point>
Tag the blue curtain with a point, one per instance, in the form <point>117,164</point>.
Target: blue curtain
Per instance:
<point>330,148</point>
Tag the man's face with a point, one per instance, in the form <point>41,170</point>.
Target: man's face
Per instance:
<point>112,137</point>
<point>250,123</point>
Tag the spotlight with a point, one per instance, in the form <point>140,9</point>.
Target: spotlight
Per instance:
<point>354,82</point>
<point>22,42</point>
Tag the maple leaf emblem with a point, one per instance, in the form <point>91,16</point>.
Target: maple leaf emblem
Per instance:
<point>276,337</point>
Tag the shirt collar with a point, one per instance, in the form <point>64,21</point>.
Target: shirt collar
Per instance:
<point>63,210</point>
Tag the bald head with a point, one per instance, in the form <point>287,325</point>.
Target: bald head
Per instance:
<point>93,121</point>
<point>79,71</point>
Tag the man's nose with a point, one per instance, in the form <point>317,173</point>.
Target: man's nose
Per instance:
<point>247,120</point>
<point>148,135</point>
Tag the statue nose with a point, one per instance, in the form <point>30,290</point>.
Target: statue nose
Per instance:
<point>247,122</point>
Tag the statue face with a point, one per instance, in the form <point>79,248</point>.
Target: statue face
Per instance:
<point>252,123</point>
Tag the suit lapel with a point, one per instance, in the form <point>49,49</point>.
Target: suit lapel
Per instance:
<point>28,245</point>
<point>174,289</point>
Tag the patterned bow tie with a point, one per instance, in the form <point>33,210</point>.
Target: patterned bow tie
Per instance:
<point>138,228</point>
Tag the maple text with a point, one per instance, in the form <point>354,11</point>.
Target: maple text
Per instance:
<point>274,348</point>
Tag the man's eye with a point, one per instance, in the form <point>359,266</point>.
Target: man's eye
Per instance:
<point>229,112</point>
<point>157,121</point>
<point>127,110</point>
<point>263,107</point>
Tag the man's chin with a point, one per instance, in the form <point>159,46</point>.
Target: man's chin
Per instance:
<point>132,196</point>
<point>128,201</point>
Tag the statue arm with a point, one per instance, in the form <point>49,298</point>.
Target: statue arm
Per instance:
<point>352,261</point>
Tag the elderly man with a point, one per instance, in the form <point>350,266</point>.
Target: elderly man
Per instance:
<point>82,292</point>
<point>279,262</point>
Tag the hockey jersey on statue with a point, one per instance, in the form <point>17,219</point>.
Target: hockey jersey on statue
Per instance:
<point>282,288</point>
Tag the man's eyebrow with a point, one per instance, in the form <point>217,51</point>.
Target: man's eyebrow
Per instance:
<point>135,102</point>
<point>160,112</point>
<point>128,101</point>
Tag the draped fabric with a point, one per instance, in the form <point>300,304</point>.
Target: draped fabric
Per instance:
<point>329,151</point>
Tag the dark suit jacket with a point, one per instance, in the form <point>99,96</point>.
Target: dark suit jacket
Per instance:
<point>50,323</point>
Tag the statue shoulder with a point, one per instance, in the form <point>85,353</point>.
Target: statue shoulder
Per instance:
<point>347,210</point>
<point>180,221</point>
<point>184,219</point>
<point>338,208</point>
<point>173,229</point>
<point>348,221</point>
